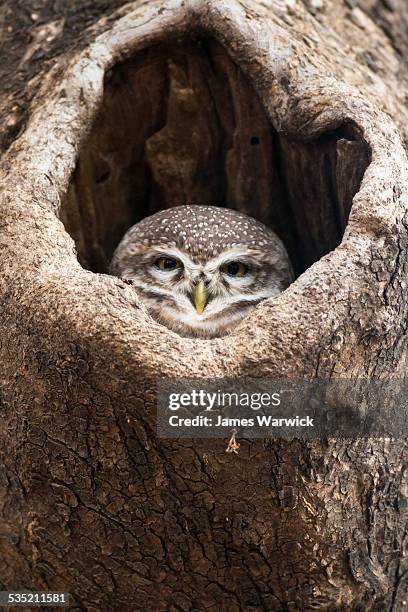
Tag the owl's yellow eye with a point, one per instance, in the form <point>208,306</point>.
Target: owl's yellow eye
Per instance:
<point>235,268</point>
<point>167,263</point>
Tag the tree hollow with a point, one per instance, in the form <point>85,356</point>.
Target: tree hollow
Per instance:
<point>181,124</point>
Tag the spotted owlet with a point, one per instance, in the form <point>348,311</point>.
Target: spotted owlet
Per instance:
<point>200,269</point>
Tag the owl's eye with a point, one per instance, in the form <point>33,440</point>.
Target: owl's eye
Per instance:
<point>167,263</point>
<point>235,268</point>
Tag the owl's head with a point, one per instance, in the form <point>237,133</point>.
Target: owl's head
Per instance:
<point>200,269</point>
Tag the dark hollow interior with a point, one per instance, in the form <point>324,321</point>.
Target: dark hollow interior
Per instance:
<point>180,124</point>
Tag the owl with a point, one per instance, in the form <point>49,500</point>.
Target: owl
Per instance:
<point>200,269</point>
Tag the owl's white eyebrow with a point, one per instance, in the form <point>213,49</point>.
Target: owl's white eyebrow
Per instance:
<point>231,255</point>
<point>176,253</point>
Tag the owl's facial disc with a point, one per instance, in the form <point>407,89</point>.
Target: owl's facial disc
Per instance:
<point>200,297</point>
<point>198,294</point>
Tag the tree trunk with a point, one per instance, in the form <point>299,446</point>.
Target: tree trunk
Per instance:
<point>294,113</point>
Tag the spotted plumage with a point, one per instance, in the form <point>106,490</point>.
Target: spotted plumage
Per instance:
<point>200,269</point>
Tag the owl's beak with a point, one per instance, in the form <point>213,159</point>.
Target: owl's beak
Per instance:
<point>200,296</point>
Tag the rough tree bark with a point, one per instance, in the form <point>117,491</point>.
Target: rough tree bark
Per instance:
<point>294,112</point>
